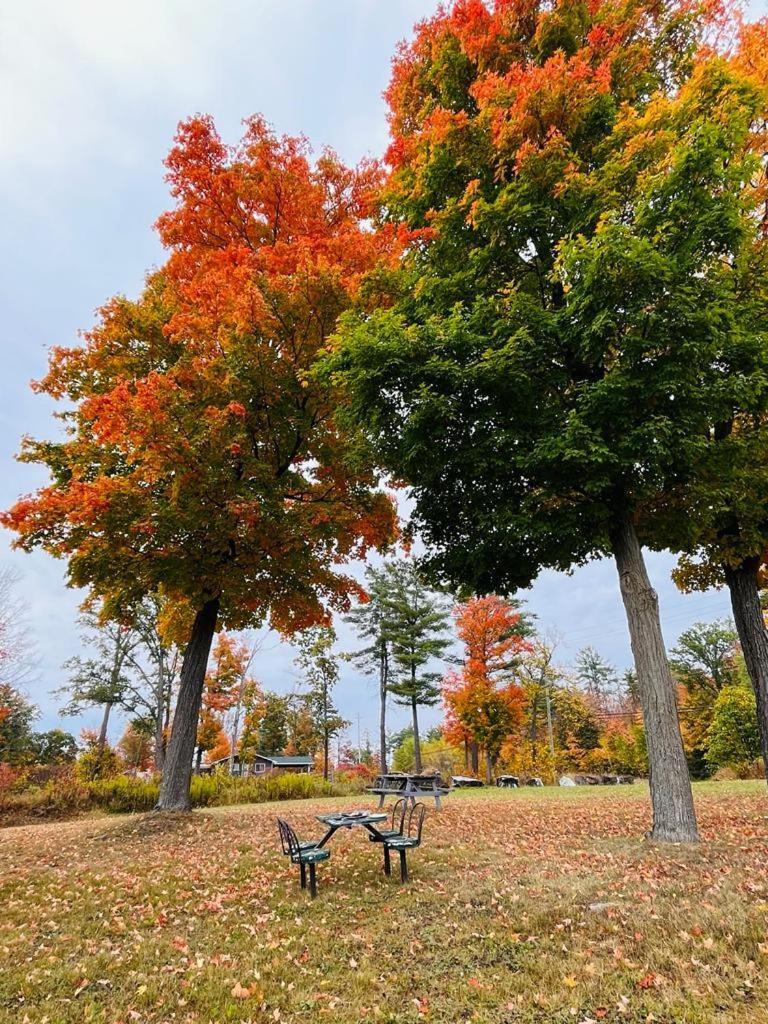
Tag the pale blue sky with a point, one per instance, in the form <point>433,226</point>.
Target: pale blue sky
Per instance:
<point>90,95</point>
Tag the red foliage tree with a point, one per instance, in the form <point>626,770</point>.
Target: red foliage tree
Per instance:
<point>483,705</point>
<point>202,460</point>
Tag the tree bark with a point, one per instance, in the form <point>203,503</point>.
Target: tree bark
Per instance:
<point>750,625</point>
<point>383,685</point>
<point>159,715</point>
<point>416,742</point>
<point>104,724</point>
<point>475,753</point>
<point>674,817</point>
<point>488,767</point>
<point>177,773</point>
<point>236,728</point>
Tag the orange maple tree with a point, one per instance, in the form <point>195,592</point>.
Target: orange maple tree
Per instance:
<point>483,704</point>
<point>201,460</point>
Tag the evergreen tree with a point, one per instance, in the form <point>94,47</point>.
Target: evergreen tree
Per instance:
<point>369,621</point>
<point>597,677</point>
<point>320,668</point>
<point>416,625</point>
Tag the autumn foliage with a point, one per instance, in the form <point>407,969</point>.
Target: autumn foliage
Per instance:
<point>200,459</point>
<point>483,704</point>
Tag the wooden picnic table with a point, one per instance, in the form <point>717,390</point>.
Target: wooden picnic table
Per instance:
<point>349,819</point>
<point>409,786</point>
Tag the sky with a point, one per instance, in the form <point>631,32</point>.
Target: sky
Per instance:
<point>90,96</point>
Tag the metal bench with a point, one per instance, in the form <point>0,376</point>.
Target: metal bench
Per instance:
<point>408,839</point>
<point>306,853</point>
<point>409,786</point>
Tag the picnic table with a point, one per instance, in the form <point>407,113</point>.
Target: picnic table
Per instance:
<point>400,784</point>
<point>349,819</point>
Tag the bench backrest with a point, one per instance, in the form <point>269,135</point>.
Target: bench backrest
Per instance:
<point>398,815</point>
<point>416,821</point>
<point>288,838</point>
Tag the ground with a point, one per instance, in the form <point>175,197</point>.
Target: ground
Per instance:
<point>523,906</point>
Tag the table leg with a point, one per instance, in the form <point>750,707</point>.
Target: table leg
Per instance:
<point>303,875</point>
<point>327,836</point>
<point>387,863</point>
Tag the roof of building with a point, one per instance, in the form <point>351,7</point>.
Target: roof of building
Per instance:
<point>285,759</point>
<point>281,760</point>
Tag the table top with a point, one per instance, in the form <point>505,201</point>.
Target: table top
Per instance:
<point>352,818</point>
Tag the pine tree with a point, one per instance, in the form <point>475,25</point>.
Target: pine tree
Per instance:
<point>321,672</point>
<point>416,624</point>
<point>598,678</point>
<point>369,620</point>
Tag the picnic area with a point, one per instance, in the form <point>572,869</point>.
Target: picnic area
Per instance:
<point>523,906</point>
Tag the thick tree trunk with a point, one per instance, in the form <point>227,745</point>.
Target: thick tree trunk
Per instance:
<point>104,724</point>
<point>416,742</point>
<point>177,773</point>
<point>488,768</point>
<point>383,683</point>
<point>475,752</point>
<point>748,616</point>
<point>674,818</point>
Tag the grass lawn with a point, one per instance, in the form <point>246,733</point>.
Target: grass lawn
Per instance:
<point>523,906</point>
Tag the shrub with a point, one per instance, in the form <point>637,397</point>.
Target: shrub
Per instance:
<point>98,763</point>
<point>62,795</point>
<point>11,779</point>
<point>66,794</point>
<point>123,794</point>
<point>733,740</point>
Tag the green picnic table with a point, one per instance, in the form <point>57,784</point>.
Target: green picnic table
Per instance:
<point>350,819</point>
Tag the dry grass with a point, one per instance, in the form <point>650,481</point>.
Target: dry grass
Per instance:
<point>199,918</point>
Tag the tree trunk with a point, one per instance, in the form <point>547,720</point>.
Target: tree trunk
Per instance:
<point>488,768</point>
<point>475,752</point>
<point>674,818</point>
<point>177,773</point>
<point>748,616</point>
<point>416,743</point>
<point>104,724</point>
<point>383,683</point>
<point>236,729</point>
<point>159,716</point>
<point>326,751</point>
<point>550,733</point>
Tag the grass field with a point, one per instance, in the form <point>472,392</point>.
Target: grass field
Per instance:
<point>524,906</point>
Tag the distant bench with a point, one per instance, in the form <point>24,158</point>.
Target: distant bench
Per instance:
<point>409,786</point>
